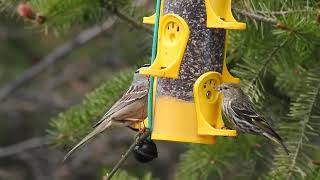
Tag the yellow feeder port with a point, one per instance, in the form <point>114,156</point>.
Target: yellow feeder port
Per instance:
<point>208,106</point>
<point>226,76</point>
<point>219,15</point>
<point>151,19</point>
<point>173,38</point>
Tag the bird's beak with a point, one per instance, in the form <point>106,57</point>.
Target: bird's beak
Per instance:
<point>143,66</point>
<point>146,65</point>
<point>218,88</point>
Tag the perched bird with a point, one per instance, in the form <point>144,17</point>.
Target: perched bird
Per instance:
<point>240,111</point>
<point>129,109</point>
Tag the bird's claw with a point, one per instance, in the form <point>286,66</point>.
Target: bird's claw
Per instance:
<point>226,128</point>
<point>142,130</point>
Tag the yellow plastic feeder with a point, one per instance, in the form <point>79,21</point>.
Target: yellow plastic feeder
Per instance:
<point>219,15</point>
<point>198,120</point>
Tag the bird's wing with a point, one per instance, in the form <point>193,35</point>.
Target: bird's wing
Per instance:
<point>245,108</point>
<point>245,111</point>
<point>133,94</point>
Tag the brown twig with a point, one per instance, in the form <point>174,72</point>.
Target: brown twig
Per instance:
<point>141,137</point>
<point>273,21</point>
<point>256,16</point>
<point>132,21</point>
<point>65,49</point>
<point>284,13</point>
<point>24,146</point>
<point>55,55</point>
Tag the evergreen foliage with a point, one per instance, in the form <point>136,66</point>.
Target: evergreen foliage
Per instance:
<point>63,14</point>
<point>301,130</point>
<point>76,122</point>
<point>208,162</point>
<point>123,175</point>
<point>278,61</point>
<point>278,68</point>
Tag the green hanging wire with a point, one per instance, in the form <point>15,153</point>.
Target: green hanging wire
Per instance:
<point>153,56</point>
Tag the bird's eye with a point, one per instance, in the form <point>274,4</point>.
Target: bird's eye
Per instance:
<point>225,88</point>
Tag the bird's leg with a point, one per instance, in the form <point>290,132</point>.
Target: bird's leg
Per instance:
<point>136,137</point>
<point>142,129</point>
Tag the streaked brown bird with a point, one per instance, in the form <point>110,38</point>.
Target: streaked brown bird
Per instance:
<point>240,111</point>
<point>129,109</point>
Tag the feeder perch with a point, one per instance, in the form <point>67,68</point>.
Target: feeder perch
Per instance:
<point>208,106</point>
<point>151,19</point>
<point>172,41</point>
<point>219,15</point>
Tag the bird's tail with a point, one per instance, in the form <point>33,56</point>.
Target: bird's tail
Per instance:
<point>95,132</point>
<point>273,136</point>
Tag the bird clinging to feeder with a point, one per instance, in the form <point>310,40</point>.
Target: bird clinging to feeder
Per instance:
<point>131,108</point>
<point>242,114</point>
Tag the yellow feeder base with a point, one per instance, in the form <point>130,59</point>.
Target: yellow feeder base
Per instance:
<point>176,120</point>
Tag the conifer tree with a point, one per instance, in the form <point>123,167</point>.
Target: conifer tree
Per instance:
<point>277,59</point>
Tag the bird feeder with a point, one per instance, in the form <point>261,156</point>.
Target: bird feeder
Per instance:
<point>190,63</point>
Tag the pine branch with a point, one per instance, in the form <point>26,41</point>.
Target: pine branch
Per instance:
<point>315,175</point>
<point>56,55</point>
<point>285,13</point>
<point>74,123</point>
<point>273,21</point>
<point>256,16</point>
<point>7,5</point>
<point>265,65</point>
<point>252,71</point>
<point>124,175</point>
<point>306,120</point>
<point>217,161</point>
<point>299,130</point>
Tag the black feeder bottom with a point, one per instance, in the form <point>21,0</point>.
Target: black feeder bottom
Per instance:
<point>145,151</point>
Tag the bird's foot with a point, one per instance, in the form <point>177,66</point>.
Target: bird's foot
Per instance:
<point>142,130</point>
<point>226,128</point>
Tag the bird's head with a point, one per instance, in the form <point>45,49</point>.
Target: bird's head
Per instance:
<point>139,77</point>
<point>229,89</point>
